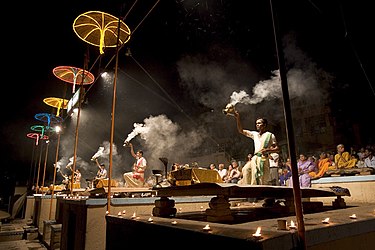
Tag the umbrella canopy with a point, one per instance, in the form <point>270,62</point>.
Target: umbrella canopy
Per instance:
<point>58,103</point>
<point>49,119</point>
<point>101,29</point>
<point>37,137</point>
<point>39,128</point>
<point>73,75</point>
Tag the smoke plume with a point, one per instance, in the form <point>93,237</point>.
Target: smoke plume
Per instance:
<point>163,138</point>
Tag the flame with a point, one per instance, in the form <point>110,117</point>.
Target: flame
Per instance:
<point>292,225</point>
<point>207,227</point>
<point>257,233</point>
<point>326,220</point>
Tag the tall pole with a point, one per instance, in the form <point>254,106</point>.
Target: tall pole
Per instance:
<point>37,177</point>
<point>113,122</point>
<point>54,175</point>
<point>45,164</point>
<point>289,130</point>
<point>76,141</point>
<point>30,181</point>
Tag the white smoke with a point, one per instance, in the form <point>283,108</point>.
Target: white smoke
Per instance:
<point>138,129</point>
<point>98,153</point>
<point>300,83</point>
<point>104,151</point>
<point>164,138</point>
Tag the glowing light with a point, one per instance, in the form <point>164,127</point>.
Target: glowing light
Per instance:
<point>207,228</point>
<point>174,222</point>
<point>57,129</point>
<point>353,216</point>
<point>150,219</point>
<point>133,216</point>
<point>257,233</point>
<point>292,225</point>
<point>325,221</point>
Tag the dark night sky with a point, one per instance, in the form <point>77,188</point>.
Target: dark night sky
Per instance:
<point>187,59</point>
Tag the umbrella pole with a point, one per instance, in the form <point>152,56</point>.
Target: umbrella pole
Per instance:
<point>76,144</point>
<point>37,177</point>
<point>31,180</point>
<point>113,121</point>
<point>289,130</point>
<point>54,176</point>
<point>45,165</point>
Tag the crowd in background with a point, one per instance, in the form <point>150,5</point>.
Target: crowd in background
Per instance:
<point>310,166</point>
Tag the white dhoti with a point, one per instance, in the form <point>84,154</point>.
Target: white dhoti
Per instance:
<point>134,180</point>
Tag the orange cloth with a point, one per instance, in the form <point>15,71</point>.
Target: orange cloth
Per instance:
<point>323,165</point>
<point>344,161</point>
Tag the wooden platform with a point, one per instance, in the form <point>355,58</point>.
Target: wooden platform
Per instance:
<point>222,192</point>
<point>130,190</point>
<point>248,191</point>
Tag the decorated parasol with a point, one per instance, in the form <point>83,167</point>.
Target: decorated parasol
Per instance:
<point>58,103</point>
<point>49,119</point>
<point>73,75</point>
<point>40,128</point>
<point>101,29</point>
<point>37,137</point>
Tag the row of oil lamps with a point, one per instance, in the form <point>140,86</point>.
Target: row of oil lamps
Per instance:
<point>256,235</point>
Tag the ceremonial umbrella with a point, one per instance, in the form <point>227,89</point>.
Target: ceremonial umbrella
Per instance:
<point>58,103</point>
<point>49,119</point>
<point>37,137</point>
<point>73,75</point>
<point>104,30</point>
<point>39,128</point>
<point>101,29</point>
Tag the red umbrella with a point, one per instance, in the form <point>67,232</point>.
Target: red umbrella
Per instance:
<point>73,75</point>
<point>37,137</point>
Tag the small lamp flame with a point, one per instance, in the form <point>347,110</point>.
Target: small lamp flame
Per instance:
<point>292,225</point>
<point>257,234</point>
<point>207,228</point>
<point>325,221</point>
<point>353,216</point>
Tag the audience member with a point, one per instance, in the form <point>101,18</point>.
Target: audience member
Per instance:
<point>222,171</point>
<point>343,159</point>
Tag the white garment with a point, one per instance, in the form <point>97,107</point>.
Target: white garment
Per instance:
<point>370,162</point>
<point>259,140</point>
<point>223,172</point>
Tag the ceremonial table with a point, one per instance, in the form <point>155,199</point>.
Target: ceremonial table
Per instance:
<point>188,176</point>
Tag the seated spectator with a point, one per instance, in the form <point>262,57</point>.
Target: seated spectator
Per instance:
<point>322,167</point>
<point>369,161</point>
<point>304,167</point>
<point>285,176</point>
<point>343,159</point>
<point>222,171</point>
<point>235,173</point>
<point>213,167</point>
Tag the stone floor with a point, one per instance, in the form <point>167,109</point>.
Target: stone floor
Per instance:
<point>18,235</point>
